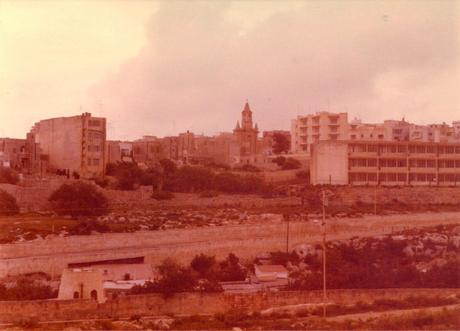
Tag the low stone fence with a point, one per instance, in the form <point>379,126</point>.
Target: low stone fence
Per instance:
<point>195,303</point>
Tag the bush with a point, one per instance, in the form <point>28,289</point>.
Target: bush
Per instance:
<point>8,176</point>
<point>173,279</point>
<point>86,227</point>
<point>162,195</point>
<point>202,263</point>
<point>209,194</point>
<point>79,199</point>
<point>248,168</point>
<point>302,174</point>
<point>287,163</point>
<point>192,179</point>
<point>8,204</point>
<point>26,289</point>
<point>291,163</point>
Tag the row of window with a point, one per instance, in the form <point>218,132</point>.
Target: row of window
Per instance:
<point>420,149</point>
<point>93,162</point>
<point>402,163</point>
<point>94,123</point>
<point>94,148</point>
<point>402,177</point>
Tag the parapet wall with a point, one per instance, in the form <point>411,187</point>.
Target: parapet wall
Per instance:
<point>195,303</point>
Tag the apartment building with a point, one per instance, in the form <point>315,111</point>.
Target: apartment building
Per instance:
<point>367,131</point>
<point>321,126</point>
<point>13,153</point>
<point>74,144</point>
<point>385,163</point>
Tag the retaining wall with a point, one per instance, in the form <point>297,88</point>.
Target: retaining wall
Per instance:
<point>194,303</point>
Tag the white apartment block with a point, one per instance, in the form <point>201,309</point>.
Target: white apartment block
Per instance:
<point>321,126</point>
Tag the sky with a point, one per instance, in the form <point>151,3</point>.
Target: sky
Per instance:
<point>164,67</point>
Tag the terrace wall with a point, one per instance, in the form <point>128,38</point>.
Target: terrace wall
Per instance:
<point>195,303</point>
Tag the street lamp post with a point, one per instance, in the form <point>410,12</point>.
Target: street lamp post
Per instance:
<point>324,252</point>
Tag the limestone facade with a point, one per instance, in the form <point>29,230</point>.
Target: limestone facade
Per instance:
<point>385,163</point>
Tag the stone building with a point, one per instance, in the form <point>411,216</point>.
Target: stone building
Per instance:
<point>246,136</point>
<point>13,153</point>
<point>82,283</point>
<point>385,163</point>
<point>118,151</point>
<point>306,130</point>
<point>74,144</point>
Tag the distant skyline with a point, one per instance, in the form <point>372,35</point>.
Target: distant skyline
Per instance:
<point>164,67</point>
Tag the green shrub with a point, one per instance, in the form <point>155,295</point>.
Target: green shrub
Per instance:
<point>8,176</point>
<point>162,195</point>
<point>8,204</point>
<point>79,199</point>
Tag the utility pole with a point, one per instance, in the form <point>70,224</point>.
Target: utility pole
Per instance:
<point>324,253</point>
<point>375,199</point>
<point>287,218</point>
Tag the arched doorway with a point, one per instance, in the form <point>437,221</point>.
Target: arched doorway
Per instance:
<point>76,295</point>
<point>93,295</point>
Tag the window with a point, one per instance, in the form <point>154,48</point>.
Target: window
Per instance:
<point>76,295</point>
<point>93,295</point>
<point>89,161</point>
<point>430,163</point>
<point>420,149</point>
<point>95,162</point>
<point>372,177</point>
<point>402,149</point>
<point>372,148</point>
<point>94,123</point>
<point>372,163</point>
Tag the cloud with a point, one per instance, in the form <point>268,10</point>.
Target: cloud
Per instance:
<point>376,60</point>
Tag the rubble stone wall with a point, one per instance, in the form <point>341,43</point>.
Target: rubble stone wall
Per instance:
<point>194,303</point>
<point>246,241</point>
<point>34,196</point>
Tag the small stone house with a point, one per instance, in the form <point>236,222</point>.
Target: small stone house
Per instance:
<point>82,283</point>
<point>270,272</point>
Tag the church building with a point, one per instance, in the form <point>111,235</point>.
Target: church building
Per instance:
<point>246,135</point>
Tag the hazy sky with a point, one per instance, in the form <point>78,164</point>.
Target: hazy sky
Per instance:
<point>160,68</point>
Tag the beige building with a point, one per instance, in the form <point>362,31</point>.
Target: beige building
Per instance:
<point>13,153</point>
<point>385,163</point>
<point>74,144</point>
<point>322,126</point>
<point>118,151</point>
<point>82,283</point>
<point>367,131</point>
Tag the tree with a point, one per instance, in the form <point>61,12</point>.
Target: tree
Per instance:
<point>8,204</point>
<point>8,176</point>
<point>203,264</point>
<point>79,199</point>
<point>279,160</point>
<point>281,143</point>
<point>173,279</point>
<point>291,163</point>
<point>231,269</point>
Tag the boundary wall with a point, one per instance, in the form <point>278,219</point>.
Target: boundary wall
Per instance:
<point>195,303</point>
